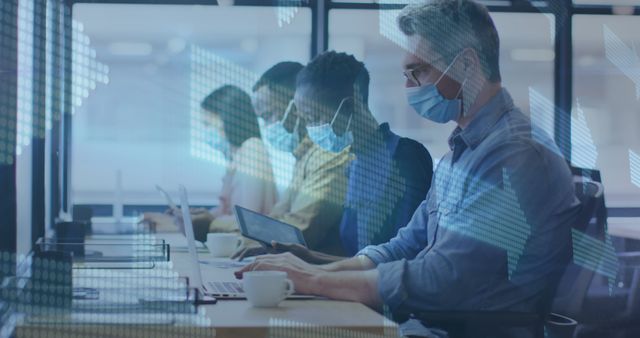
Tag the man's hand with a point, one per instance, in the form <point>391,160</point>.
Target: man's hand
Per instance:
<point>159,222</point>
<point>251,248</point>
<point>300,272</point>
<point>357,286</point>
<point>303,253</point>
<point>177,212</point>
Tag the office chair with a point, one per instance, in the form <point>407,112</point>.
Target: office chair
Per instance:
<point>586,296</point>
<point>576,279</point>
<point>615,314</point>
<point>552,317</point>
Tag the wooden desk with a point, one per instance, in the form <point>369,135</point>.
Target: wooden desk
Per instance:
<point>625,227</point>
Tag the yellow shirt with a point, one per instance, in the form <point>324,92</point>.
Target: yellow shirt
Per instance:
<point>314,200</point>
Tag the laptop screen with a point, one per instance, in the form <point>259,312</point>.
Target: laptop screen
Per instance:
<point>191,238</point>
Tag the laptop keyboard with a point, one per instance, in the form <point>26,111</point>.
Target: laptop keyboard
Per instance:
<point>225,287</point>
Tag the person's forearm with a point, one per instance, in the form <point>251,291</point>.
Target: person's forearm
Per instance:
<point>217,211</point>
<point>356,286</point>
<point>325,259</point>
<point>357,263</point>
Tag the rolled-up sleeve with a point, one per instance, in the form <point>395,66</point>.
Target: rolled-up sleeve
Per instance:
<point>431,282</point>
<point>438,280</point>
<point>391,288</point>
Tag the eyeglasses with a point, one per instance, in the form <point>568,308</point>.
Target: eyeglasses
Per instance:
<point>413,73</point>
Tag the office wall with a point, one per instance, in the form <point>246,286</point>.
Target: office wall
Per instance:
<point>139,122</point>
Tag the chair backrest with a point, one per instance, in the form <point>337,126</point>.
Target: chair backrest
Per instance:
<point>591,221</point>
<point>588,185</point>
<point>591,195</point>
<point>633,303</point>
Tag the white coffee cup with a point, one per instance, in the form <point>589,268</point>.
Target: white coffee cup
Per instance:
<point>223,244</point>
<point>266,288</point>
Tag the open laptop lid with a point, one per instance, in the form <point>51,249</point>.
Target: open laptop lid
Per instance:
<point>191,239</point>
<point>166,197</point>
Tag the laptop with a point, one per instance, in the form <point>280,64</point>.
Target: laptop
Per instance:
<point>167,197</point>
<point>204,294</point>
<point>212,289</point>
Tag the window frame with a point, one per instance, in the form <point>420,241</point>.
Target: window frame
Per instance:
<point>563,11</point>
<point>8,110</point>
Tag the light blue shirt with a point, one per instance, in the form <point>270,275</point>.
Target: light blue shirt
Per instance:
<point>494,232</point>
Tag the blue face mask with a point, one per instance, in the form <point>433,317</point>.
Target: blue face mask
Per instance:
<point>215,140</point>
<point>279,137</point>
<point>324,136</point>
<point>430,104</point>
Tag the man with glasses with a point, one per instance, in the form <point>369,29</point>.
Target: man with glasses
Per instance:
<point>495,230</point>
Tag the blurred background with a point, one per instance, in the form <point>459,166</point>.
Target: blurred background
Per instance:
<point>123,120</point>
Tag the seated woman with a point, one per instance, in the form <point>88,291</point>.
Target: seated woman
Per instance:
<point>233,130</point>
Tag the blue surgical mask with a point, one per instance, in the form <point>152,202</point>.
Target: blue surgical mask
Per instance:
<point>279,137</point>
<point>215,140</point>
<point>324,136</point>
<point>430,104</point>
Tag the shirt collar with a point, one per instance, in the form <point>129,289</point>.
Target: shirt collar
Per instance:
<point>389,138</point>
<point>484,120</point>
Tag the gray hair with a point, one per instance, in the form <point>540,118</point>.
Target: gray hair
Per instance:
<point>450,26</point>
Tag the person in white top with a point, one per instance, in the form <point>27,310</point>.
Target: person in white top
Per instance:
<point>233,130</point>
<point>249,180</point>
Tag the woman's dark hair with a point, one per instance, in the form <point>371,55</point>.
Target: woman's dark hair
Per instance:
<point>233,105</point>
